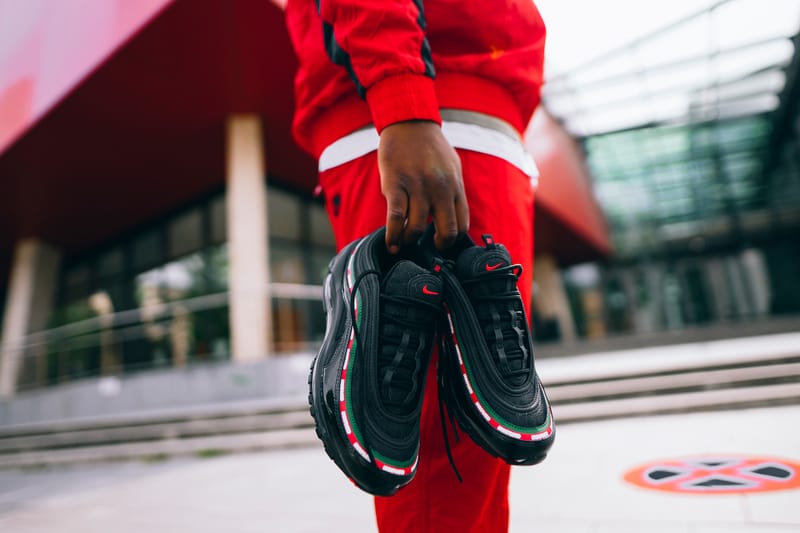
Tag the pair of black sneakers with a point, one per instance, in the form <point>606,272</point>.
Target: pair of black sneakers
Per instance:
<point>383,316</point>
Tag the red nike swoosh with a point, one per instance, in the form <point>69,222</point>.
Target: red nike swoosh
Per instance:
<point>493,267</point>
<point>426,290</point>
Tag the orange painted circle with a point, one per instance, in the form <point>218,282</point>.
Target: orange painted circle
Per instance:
<point>717,475</point>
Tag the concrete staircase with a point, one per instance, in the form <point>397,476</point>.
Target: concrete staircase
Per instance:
<point>740,373</point>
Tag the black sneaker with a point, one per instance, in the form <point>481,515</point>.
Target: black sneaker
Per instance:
<point>367,380</point>
<point>486,369</point>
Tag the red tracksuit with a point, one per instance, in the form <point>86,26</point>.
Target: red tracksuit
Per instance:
<point>486,56</point>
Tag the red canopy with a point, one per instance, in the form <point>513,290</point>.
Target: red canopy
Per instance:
<point>569,221</point>
<point>112,112</point>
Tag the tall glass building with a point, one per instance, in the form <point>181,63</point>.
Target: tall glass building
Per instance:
<point>690,129</point>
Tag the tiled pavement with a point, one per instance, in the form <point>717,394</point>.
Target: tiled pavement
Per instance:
<point>579,489</point>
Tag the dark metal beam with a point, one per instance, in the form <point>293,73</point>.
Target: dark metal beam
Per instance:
<point>614,52</point>
<point>785,115</point>
<point>680,63</point>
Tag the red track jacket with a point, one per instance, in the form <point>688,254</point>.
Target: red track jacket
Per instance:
<point>385,61</point>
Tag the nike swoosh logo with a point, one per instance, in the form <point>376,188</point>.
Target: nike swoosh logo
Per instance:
<point>426,290</point>
<point>493,267</point>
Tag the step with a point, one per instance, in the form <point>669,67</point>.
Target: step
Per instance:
<point>660,384</point>
<point>681,402</point>
<point>158,450</point>
<point>163,415</point>
<point>209,446</point>
<point>768,349</point>
<point>159,431</point>
<point>703,376</point>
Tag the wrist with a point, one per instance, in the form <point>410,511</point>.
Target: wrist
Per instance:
<point>403,98</point>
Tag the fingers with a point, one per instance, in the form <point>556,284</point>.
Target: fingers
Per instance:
<point>451,218</point>
<point>445,221</point>
<point>408,212</point>
<point>396,210</point>
<point>461,204</point>
<point>407,218</point>
<point>462,214</point>
<point>418,211</point>
<point>420,177</point>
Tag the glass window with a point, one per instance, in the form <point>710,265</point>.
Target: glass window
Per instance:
<point>217,268</point>
<point>136,273</point>
<point>185,233</point>
<point>176,280</point>
<point>321,231</point>
<point>76,282</point>
<point>147,250</point>
<point>286,263</point>
<point>284,214</point>
<point>217,214</point>
<point>111,263</point>
<point>319,265</point>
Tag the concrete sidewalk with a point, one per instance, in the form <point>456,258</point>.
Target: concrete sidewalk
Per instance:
<point>579,489</point>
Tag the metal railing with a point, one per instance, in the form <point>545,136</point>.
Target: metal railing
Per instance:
<point>175,333</point>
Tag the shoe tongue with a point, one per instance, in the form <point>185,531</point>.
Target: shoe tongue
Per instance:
<point>477,260</point>
<point>406,278</point>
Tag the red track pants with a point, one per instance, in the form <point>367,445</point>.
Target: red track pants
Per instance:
<point>500,199</point>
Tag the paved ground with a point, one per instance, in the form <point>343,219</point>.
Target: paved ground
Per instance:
<point>579,489</point>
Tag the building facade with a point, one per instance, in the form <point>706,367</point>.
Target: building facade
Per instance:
<point>156,213</point>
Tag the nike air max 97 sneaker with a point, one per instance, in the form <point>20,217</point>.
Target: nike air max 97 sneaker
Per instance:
<point>486,367</point>
<point>366,383</point>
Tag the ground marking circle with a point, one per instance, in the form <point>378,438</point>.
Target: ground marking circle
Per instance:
<point>717,474</point>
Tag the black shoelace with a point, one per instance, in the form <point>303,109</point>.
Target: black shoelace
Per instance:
<point>503,321</point>
<point>441,385</point>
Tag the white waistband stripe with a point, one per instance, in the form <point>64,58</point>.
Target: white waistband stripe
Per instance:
<point>348,148</point>
<point>488,141</point>
<point>460,135</point>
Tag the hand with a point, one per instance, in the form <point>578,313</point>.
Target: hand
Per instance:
<point>421,176</point>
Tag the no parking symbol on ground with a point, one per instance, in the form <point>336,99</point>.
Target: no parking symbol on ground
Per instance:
<point>717,475</point>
